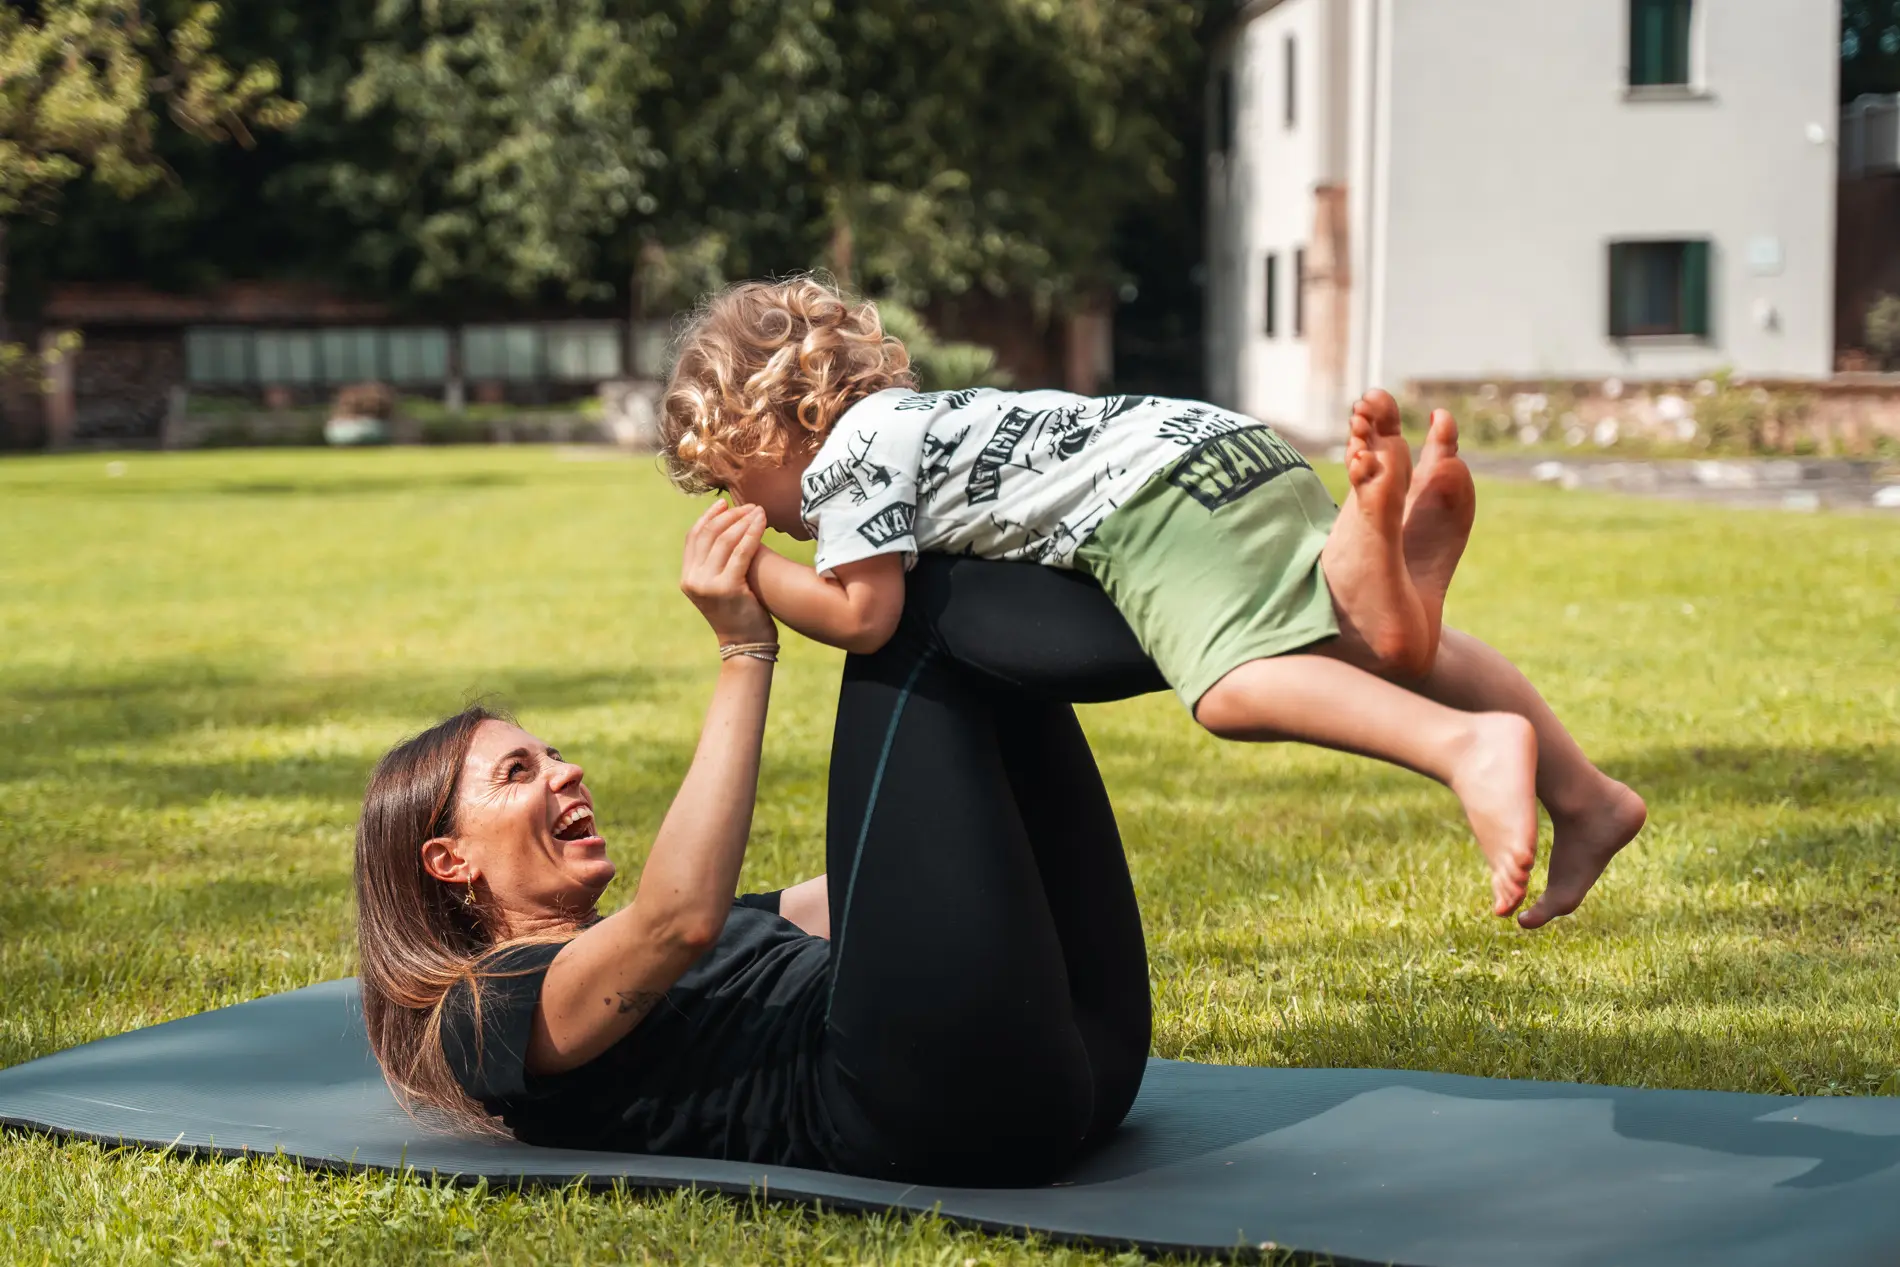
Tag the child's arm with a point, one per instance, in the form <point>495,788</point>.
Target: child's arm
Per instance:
<point>856,608</point>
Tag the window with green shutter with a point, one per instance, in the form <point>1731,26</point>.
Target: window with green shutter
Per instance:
<point>1660,42</point>
<point>1659,288</point>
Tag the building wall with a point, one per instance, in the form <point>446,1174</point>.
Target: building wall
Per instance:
<point>1513,155</point>
<point>1261,201</point>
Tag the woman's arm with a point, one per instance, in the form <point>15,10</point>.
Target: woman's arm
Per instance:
<point>607,979</point>
<point>857,609</point>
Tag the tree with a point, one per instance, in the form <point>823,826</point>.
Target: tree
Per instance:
<point>675,143</point>
<point>81,86</point>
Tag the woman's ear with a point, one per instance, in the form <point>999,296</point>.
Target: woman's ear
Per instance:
<point>442,858</point>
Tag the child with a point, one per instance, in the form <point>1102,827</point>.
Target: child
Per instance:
<point>1273,614</point>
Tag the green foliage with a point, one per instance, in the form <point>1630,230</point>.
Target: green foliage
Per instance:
<point>78,88</point>
<point>940,365</point>
<point>1883,330</point>
<point>916,150</point>
<point>515,143</point>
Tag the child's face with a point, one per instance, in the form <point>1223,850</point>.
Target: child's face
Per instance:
<point>775,490</point>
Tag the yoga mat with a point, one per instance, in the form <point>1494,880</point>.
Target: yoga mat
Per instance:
<point>1365,1165</point>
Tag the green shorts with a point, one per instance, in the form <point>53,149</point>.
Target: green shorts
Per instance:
<point>1215,561</point>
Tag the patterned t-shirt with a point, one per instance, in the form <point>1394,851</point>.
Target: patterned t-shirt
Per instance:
<point>1000,475</point>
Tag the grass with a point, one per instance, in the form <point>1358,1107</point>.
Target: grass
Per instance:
<point>201,657</point>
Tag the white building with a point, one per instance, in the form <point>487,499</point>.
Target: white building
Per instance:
<point>1407,191</point>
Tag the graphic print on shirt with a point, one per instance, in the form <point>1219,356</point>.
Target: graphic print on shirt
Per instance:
<point>1010,475</point>
<point>855,474</point>
<point>938,450</point>
<point>890,524</point>
<point>1232,465</point>
<point>917,402</point>
<point>986,476</point>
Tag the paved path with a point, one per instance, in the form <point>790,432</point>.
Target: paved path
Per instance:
<point>1794,484</point>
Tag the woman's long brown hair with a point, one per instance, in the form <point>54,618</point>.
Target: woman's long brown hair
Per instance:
<point>415,937</point>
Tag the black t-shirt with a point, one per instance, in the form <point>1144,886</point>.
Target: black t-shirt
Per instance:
<point>726,1065</point>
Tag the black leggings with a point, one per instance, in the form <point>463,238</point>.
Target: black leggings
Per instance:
<point>989,1011</point>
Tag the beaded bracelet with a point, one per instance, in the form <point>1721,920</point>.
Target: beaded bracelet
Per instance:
<point>767,651</point>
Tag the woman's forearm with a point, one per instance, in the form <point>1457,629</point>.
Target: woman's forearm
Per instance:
<point>693,869</point>
<point>607,979</point>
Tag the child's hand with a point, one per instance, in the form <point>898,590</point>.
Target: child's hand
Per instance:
<point>719,552</point>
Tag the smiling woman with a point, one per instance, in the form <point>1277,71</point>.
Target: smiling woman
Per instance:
<point>982,1014</point>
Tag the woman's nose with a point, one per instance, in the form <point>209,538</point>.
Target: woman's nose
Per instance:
<point>566,774</point>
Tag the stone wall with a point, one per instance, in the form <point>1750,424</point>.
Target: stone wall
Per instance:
<point>1848,416</point>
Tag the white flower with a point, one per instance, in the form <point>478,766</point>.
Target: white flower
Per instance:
<point>1672,408</point>
<point>1488,392</point>
<point>1574,436</point>
<point>1613,388</point>
<point>1685,430</point>
<point>1606,433</point>
<point>1706,387</point>
<point>1529,435</point>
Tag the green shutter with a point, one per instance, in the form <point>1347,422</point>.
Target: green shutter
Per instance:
<point>1695,289</point>
<point>1619,290</point>
<point>1678,67</point>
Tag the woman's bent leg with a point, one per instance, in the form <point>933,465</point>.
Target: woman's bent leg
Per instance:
<point>989,1008</point>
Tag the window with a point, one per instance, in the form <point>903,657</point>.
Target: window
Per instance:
<point>1224,112</point>
<point>1659,288</point>
<point>584,353</point>
<point>1659,42</point>
<point>286,357</point>
<point>351,356</point>
<point>1292,83</point>
<point>217,357</point>
<point>511,353</point>
<point>1299,293</point>
<point>1272,325</point>
<point>418,356</point>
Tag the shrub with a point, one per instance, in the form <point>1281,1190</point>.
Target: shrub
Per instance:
<point>1883,330</point>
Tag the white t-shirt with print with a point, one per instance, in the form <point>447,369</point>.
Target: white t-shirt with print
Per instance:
<point>1001,475</point>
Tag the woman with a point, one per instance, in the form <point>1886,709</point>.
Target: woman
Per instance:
<point>980,1014</point>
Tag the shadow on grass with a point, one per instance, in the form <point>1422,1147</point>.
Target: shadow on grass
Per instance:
<point>166,697</point>
<point>315,484</point>
<point>1760,774</point>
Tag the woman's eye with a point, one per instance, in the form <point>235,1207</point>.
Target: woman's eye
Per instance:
<point>517,768</point>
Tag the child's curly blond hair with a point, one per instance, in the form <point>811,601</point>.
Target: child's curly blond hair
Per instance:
<point>764,365</point>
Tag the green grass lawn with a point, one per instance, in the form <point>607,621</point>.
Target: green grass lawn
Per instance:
<point>201,657</point>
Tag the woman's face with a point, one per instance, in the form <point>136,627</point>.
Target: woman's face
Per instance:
<point>525,833</point>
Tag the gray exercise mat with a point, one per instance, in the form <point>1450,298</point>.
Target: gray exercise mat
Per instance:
<point>1365,1165</point>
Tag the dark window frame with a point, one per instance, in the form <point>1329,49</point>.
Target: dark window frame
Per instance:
<point>1661,288</point>
<point>1661,44</point>
<point>1299,292</point>
<point>1270,324</point>
<point>1292,71</point>
<point>1224,112</point>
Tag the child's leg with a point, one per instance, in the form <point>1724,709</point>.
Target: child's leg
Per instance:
<point>1488,759</point>
<point>1593,815</point>
<point>1383,625</point>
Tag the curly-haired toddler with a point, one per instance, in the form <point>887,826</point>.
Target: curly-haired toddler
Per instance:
<point>1274,614</point>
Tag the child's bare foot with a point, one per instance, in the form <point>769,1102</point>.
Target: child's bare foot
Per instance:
<point>1364,557</point>
<point>1439,512</point>
<point>1582,847</point>
<point>1496,779</point>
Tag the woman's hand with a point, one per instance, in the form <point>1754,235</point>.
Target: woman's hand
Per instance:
<point>719,551</point>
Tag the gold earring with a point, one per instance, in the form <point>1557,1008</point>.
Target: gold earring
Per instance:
<point>468,896</point>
